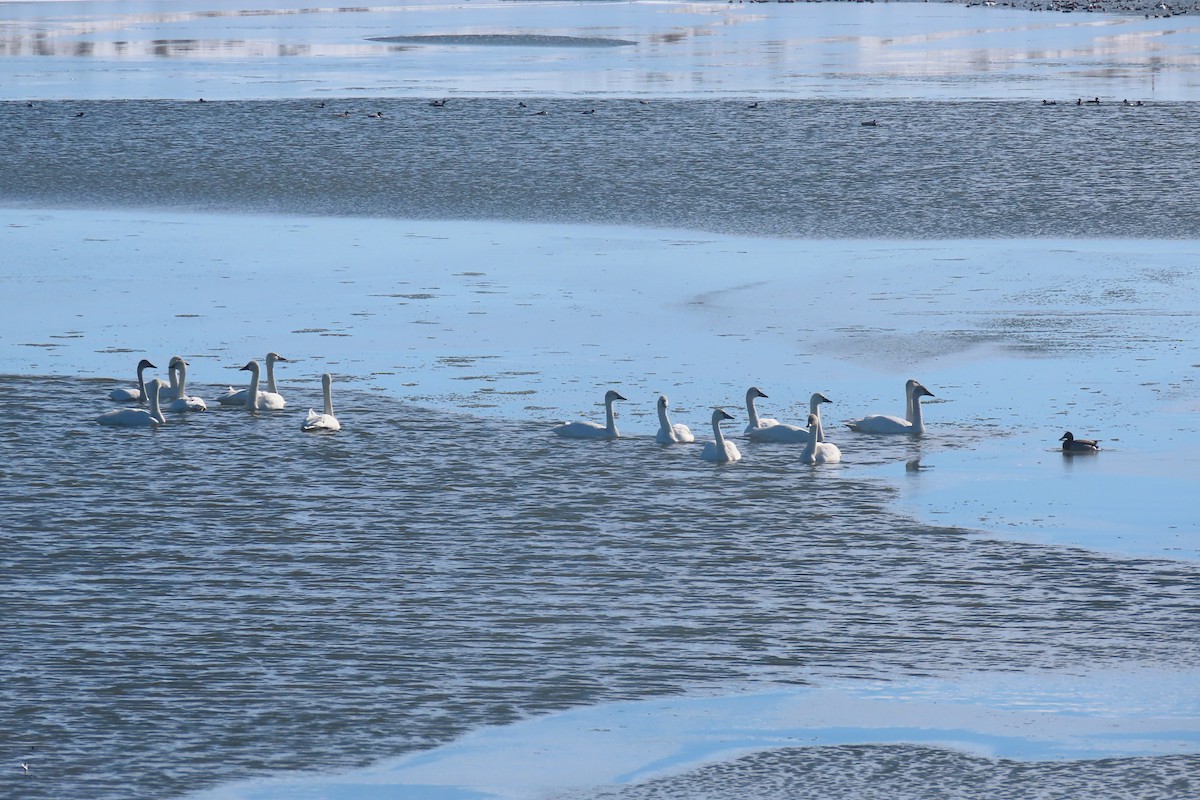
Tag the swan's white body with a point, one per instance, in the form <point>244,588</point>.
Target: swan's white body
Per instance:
<point>668,433</point>
<point>326,421</point>
<point>752,412</point>
<point>818,451</point>
<point>912,423</point>
<point>1071,445</point>
<point>237,397</point>
<point>790,434</point>
<point>138,417</point>
<point>592,430</point>
<point>138,395</point>
<point>183,402</point>
<point>260,401</point>
<point>720,449</point>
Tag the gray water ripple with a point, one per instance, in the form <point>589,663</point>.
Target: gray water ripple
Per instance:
<point>796,168</point>
<point>227,596</point>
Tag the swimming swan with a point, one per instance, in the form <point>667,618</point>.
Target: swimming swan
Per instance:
<point>260,401</point>
<point>326,421</point>
<point>138,395</point>
<point>668,433</point>
<point>752,412</point>
<point>138,417</point>
<point>1073,445</point>
<point>237,397</point>
<point>592,430</point>
<point>912,422</point>
<point>781,432</point>
<point>817,451</point>
<point>183,402</point>
<point>719,449</point>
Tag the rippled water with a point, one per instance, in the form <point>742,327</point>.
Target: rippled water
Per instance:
<point>805,168</point>
<point>228,596</point>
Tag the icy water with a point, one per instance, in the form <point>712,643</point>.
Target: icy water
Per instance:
<point>228,597</point>
<point>797,168</point>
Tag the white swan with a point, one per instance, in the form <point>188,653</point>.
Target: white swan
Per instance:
<point>792,434</point>
<point>1072,445</point>
<point>326,421</point>
<point>668,433</point>
<point>237,397</point>
<point>182,401</point>
<point>817,451</point>
<point>752,412</point>
<point>260,401</point>
<point>138,395</point>
<point>592,430</point>
<point>912,422</point>
<point>720,449</point>
<point>138,417</point>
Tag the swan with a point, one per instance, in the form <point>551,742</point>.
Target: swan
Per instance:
<point>781,432</point>
<point>138,417</point>
<point>183,402</point>
<point>237,397</point>
<point>260,401</point>
<point>817,451</point>
<point>592,430</point>
<point>912,422</point>
<point>752,412</point>
<point>720,449</point>
<point>138,395</point>
<point>668,433</point>
<point>326,421</point>
<point>1073,445</point>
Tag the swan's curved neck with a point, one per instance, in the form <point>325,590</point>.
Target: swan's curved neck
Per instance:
<point>751,411</point>
<point>663,421</point>
<point>175,380</point>
<point>182,380</point>
<point>718,436</point>
<point>328,398</point>
<point>155,409</point>
<point>142,381</point>
<point>908,401</point>
<point>252,389</point>
<point>271,376</point>
<point>817,433</point>
<point>918,425</point>
<point>610,419</point>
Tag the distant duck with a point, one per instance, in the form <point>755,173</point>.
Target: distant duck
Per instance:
<point>78,114</point>
<point>912,423</point>
<point>668,433</point>
<point>260,401</point>
<point>720,449</point>
<point>870,123</point>
<point>237,397</point>
<point>592,430</point>
<point>439,103</point>
<point>325,421</point>
<point>342,114</point>
<point>1093,102</point>
<point>753,105</point>
<point>376,115</point>
<point>182,402</point>
<point>138,395</point>
<point>137,417</point>
<point>816,451</point>
<point>790,434</point>
<point>1049,102</point>
<point>755,421</point>
<point>521,104</point>
<point>1072,445</point>
<point>540,113</point>
<point>588,111</point>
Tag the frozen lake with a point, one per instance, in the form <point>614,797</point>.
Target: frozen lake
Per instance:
<point>445,600</point>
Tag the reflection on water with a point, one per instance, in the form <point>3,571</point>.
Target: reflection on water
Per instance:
<point>228,596</point>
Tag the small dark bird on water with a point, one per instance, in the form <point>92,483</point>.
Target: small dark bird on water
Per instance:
<point>1073,445</point>
<point>870,124</point>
